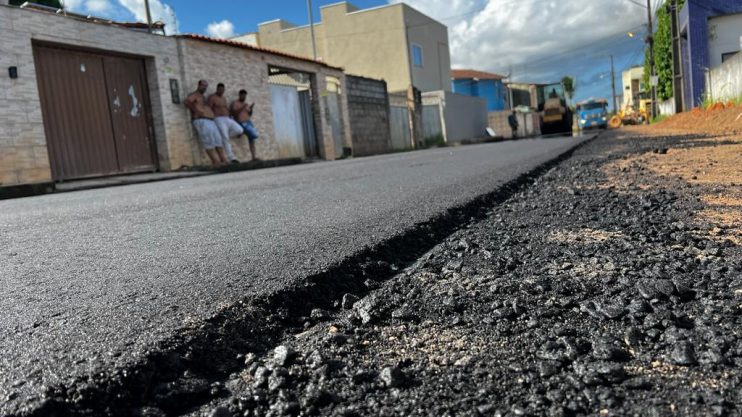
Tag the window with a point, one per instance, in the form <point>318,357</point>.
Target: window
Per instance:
<point>417,55</point>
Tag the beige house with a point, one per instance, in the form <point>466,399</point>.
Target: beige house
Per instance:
<point>395,43</point>
<point>87,98</point>
<point>632,86</point>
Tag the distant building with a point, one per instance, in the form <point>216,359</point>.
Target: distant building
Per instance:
<point>523,95</point>
<point>632,86</point>
<point>248,38</point>
<point>394,42</point>
<point>725,38</point>
<point>486,85</point>
<point>708,30</point>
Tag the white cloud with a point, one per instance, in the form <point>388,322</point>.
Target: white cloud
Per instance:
<point>72,5</point>
<point>98,6</point>
<point>541,40</point>
<point>158,9</point>
<point>221,30</point>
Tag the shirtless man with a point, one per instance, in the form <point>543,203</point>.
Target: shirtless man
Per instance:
<point>228,128</point>
<point>202,118</point>
<point>242,113</point>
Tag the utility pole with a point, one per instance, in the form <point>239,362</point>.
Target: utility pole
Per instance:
<point>653,73</point>
<point>613,86</point>
<point>677,66</point>
<point>149,16</point>
<point>311,29</point>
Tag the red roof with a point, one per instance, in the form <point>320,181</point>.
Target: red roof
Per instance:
<point>461,74</point>
<point>242,45</point>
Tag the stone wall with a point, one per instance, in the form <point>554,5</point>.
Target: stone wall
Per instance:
<point>368,106</point>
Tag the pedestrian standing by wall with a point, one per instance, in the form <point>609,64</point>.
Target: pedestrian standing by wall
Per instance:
<point>202,118</point>
<point>228,128</point>
<point>513,122</point>
<point>242,113</point>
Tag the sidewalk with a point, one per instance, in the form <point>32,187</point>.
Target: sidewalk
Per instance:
<point>119,180</point>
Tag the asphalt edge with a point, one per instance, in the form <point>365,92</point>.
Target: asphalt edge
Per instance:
<point>213,348</point>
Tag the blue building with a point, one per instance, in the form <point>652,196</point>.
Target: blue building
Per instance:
<point>696,35</point>
<point>481,84</point>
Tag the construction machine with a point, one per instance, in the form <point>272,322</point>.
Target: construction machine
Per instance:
<point>632,115</point>
<point>556,116</point>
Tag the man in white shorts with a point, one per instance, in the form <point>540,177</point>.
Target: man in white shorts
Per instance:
<point>228,128</point>
<point>202,118</point>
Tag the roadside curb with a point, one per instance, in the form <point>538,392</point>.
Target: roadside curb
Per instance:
<point>32,190</point>
<point>211,347</point>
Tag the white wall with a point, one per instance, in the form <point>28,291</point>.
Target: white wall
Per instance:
<point>725,33</point>
<point>464,117</point>
<point>725,81</point>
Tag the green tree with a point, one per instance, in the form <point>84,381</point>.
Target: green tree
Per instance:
<point>569,87</point>
<point>50,3</point>
<point>662,54</point>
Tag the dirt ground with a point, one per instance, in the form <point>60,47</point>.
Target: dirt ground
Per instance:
<point>713,165</point>
<point>720,119</point>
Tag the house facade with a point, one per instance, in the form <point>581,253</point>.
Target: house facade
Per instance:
<point>632,86</point>
<point>85,98</point>
<point>707,31</point>
<point>486,85</point>
<point>394,43</point>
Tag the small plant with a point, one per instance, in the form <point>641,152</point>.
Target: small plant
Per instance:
<point>436,141</point>
<point>660,118</point>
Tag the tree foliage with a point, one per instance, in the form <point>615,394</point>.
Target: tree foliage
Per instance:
<point>569,86</point>
<point>51,3</point>
<point>662,54</point>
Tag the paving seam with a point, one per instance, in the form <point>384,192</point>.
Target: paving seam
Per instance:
<point>213,349</point>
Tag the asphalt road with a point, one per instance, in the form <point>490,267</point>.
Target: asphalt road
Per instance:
<point>91,280</point>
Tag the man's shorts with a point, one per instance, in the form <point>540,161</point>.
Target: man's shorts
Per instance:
<point>208,133</point>
<point>250,130</point>
<point>228,128</point>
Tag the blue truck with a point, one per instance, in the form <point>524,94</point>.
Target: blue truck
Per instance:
<point>593,113</point>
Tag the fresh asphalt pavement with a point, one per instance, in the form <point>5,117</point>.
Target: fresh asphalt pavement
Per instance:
<point>92,280</point>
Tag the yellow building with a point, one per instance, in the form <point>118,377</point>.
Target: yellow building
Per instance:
<point>395,43</point>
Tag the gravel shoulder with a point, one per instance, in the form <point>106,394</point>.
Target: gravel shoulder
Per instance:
<point>612,287</point>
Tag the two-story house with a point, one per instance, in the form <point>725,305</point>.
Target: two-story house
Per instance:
<point>394,42</point>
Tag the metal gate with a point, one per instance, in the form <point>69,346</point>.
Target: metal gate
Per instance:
<point>307,120</point>
<point>332,102</point>
<point>96,113</point>
<point>288,128</point>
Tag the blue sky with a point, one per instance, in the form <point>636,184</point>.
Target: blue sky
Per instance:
<point>194,17</point>
<point>533,40</point>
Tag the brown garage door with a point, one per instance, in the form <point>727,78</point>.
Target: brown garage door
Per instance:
<point>95,113</point>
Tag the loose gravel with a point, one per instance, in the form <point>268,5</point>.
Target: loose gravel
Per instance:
<point>597,291</point>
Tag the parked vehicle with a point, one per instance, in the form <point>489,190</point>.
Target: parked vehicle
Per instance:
<point>556,116</point>
<point>593,113</point>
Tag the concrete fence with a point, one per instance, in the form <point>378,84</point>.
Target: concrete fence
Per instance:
<point>725,82</point>
<point>463,117</point>
<point>528,124</point>
<point>667,107</point>
<point>368,106</point>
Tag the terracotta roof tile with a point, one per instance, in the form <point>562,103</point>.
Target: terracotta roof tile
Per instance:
<point>242,45</point>
<point>460,74</point>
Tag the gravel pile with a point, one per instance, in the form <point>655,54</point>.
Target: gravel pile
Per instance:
<point>597,291</point>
